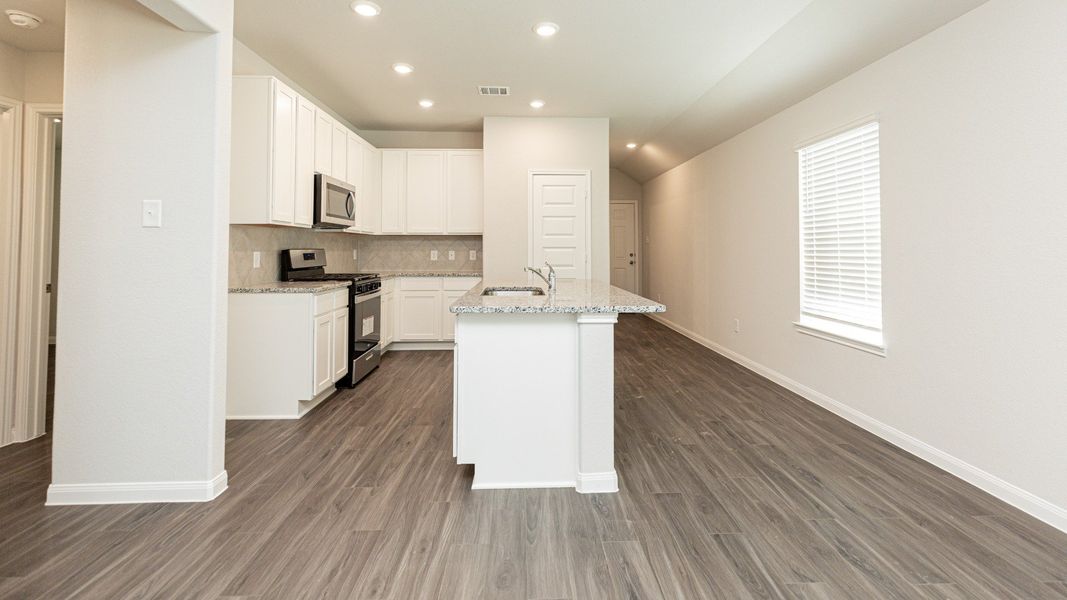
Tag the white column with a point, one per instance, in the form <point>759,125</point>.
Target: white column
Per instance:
<point>596,403</point>
<point>141,335</point>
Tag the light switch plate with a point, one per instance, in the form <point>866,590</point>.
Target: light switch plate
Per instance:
<point>257,260</point>
<point>433,254</point>
<point>451,255</point>
<point>474,255</point>
<point>152,213</point>
<point>353,254</point>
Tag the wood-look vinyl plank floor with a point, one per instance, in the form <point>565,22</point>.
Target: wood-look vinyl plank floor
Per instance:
<point>731,487</point>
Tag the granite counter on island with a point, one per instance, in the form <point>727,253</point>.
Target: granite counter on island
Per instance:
<point>534,384</point>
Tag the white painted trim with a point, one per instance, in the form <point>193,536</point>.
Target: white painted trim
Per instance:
<point>598,318</point>
<point>588,213</point>
<point>1010,493</point>
<point>9,274</point>
<point>637,241</point>
<point>830,336</point>
<point>521,485</point>
<point>262,417</point>
<point>598,483</point>
<point>136,493</point>
<point>35,264</point>
<point>400,346</point>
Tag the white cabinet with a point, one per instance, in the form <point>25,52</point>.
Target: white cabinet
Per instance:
<point>463,192</point>
<point>305,163</point>
<point>425,200</point>
<point>339,156</point>
<point>372,190</point>
<point>284,352</point>
<point>266,152</point>
<point>388,318</point>
<point>323,142</point>
<point>423,307</point>
<point>394,178</point>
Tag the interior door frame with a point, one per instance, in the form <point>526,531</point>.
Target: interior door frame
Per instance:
<point>588,213</point>
<point>9,288</point>
<point>35,265</point>
<point>637,238</point>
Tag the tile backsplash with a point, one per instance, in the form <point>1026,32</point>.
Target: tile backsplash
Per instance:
<point>375,253</point>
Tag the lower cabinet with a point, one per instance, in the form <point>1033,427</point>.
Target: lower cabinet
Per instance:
<point>421,305</point>
<point>285,352</point>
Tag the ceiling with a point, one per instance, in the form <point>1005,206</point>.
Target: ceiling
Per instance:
<point>676,76</point>
<point>46,38</point>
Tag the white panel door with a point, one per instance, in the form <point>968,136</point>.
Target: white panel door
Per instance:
<point>425,191</point>
<point>463,195</point>
<point>624,246</point>
<point>339,166</point>
<point>394,178</point>
<point>323,363</point>
<point>305,163</point>
<point>283,167</point>
<point>323,142</point>
<point>559,227</point>
<point>419,316</point>
<point>340,343</point>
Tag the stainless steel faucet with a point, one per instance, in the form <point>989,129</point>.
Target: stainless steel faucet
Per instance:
<point>550,280</point>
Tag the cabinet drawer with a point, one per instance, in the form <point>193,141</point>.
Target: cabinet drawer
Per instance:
<point>388,285</point>
<point>328,301</point>
<point>416,284</point>
<point>340,298</point>
<point>460,284</point>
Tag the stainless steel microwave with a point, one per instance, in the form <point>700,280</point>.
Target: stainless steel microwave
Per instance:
<point>335,203</point>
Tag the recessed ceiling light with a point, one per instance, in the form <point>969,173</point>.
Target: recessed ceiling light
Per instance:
<point>403,68</point>
<point>537,103</point>
<point>546,29</point>
<point>426,103</point>
<point>364,8</point>
<point>631,145</point>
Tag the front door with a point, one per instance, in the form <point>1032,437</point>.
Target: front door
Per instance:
<point>559,231</point>
<point>624,245</point>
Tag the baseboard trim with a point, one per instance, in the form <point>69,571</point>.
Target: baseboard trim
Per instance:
<point>520,485</point>
<point>1025,501</point>
<point>136,493</point>
<point>261,417</point>
<point>606,482</point>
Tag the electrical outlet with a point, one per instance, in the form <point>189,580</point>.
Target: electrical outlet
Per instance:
<point>451,255</point>
<point>353,254</point>
<point>473,255</point>
<point>257,260</point>
<point>433,254</point>
<point>737,325</point>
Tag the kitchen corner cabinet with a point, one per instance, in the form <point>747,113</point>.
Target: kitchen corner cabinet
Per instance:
<point>271,151</point>
<point>431,192</point>
<point>284,352</point>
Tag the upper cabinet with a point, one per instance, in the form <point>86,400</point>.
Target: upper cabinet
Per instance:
<point>323,142</point>
<point>431,191</point>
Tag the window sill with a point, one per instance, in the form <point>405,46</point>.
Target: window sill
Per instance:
<point>853,337</point>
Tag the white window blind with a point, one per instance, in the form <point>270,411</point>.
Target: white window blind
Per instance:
<point>840,232</point>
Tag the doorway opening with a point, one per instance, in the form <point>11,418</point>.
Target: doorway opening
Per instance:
<point>625,265</point>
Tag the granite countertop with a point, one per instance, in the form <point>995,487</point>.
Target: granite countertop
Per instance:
<point>571,296</point>
<point>291,287</point>
<point>391,274</point>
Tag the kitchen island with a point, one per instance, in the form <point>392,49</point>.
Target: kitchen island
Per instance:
<point>534,383</point>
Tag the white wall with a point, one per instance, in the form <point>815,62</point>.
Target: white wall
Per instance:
<point>12,72</point>
<point>31,76</point>
<point>623,187</point>
<point>974,192</point>
<point>141,349</point>
<point>515,145</point>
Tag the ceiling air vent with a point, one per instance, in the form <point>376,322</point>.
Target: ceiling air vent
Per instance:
<point>494,90</point>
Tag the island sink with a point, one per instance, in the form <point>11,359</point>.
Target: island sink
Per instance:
<point>513,291</point>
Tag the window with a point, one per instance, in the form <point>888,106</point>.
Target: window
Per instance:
<point>841,239</point>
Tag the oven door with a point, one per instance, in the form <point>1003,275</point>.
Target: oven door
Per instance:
<point>335,203</point>
<point>365,335</point>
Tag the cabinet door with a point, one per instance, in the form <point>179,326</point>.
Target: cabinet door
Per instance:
<point>387,319</point>
<point>283,156</point>
<point>339,168</point>
<point>305,163</point>
<point>323,363</point>
<point>323,142</point>
<point>355,178</point>
<point>340,343</point>
<point>425,191</point>
<point>448,319</point>
<point>419,317</point>
<point>394,178</point>
<point>372,190</point>
<point>463,196</point>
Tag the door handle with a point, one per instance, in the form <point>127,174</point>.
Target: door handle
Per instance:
<point>631,255</point>
<point>631,262</point>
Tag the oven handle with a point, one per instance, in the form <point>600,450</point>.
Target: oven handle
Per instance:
<point>361,299</point>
